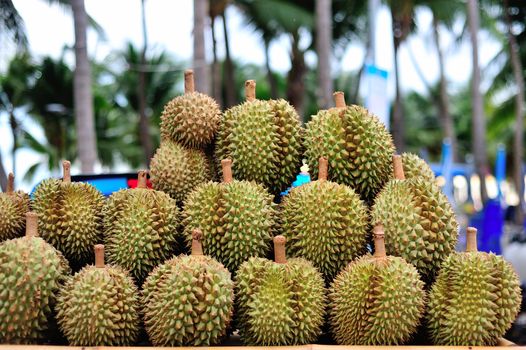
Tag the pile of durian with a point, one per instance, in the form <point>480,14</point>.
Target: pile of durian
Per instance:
<point>364,255</point>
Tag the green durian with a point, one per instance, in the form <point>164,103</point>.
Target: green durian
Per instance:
<point>70,216</point>
<point>475,298</point>
<point>325,223</point>
<point>188,300</point>
<point>357,144</point>
<point>263,138</point>
<point>236,218</point>
<point>13,208</point>
<point>279,303</point>
<point>376,300</point>
<point>140,228</point>
<point>191,119</point>
<point>177,170</point>
<point>31,273</point>
<point>420,225</point>
<point>99,306</point>
<point>414,166</point>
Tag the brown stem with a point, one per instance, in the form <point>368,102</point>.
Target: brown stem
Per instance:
<point>66,169</point>
<point>99,255</point>
<point>379,241</point>
<point>226,164</point>
<point>10,183</point>
<point>141,179</point>
<point>279,250</point>
<point>250,90</point>
<point>31,224</point>
<point>197,247</point>
<point>339,99</point>
<point>471,239</point>
<point>398,167</point>
<point>323,169</point>
<point>189,86</point>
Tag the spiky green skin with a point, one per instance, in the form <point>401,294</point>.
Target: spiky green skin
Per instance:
<point>325,223</point>
<point>188,301</point>
<point>191,120</point>
<point>419,223</point>
<point>357,145</point>
<point>99,306</point>
<point>13,209</point>
<point>263,138</point>
<point>177,170</point>
<point>279,304</point>
<point>69,217</point>
<point>474,300</point>
<point>31,273</point>
<point>376,302</point>
<point>140,230</point>
<point>236,219</point>
<point>414,166</point>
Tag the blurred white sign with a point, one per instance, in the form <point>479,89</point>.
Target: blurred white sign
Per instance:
<point>377,101</point>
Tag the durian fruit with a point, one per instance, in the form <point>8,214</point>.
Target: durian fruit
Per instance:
<point>263,139</point>
<point>357,144</point>
<point>325,223</point>
<point>281,302</point>
<point>177,170</point>
<point>420,225</point>
<point>236,218</point>
<point>31,273</point>
<point>191,119</point>
<point>99,306</point>
<point>13,208</point>
<point>70,216</point>
<point>475,298</point>
<point>140,228</point>
<point>414,166</point>
<point>376,300</point>
<point>188,300</point>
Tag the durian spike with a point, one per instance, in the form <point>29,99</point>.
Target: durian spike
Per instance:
<point>99,255</point>
<point>10,183</point>
<point>31,224</point>
<point>141,179</point>
<point>226,164</point>
<point>279,250</point>
<point>197,247</point>
<point>398,167</point>
<point>66,170</point>
<point>379,242</point>
<point>189,86</point>
<point>339,99</point>
<point>471,239</point>
<point>323,169</point>
<point>250,90</point>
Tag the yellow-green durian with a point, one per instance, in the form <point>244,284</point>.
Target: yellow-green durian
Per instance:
<point>414,166</point>
<point>13,208</point>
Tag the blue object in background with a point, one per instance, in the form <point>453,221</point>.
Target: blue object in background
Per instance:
<point>500,169</point>
<point>493,223</point>
<point>446,169</point>
<point>109,185</point>
<point>302,178</point>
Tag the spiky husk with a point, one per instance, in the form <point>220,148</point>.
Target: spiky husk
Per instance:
<point>31,272</point>
<point>419,223</point>
<point>70,217</point>
<point>325,223</point>
<point>13,209</point>
<point>474,300</point>
<point>236,220</point>
<point>188,300</point>
<point>357,145</point>
<point>414,166</point>
<point>263,138</point>
<point>376,302</point>
<point>279,304</point>
<point>191,119</point>
<point>99,306</point>
<point>177,170</point>
<point>140,230</point>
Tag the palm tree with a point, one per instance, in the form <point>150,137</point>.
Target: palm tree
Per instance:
<point>12,24</point>
<point>229,76</point>
<point>199,55</point>
<point>324,49</point>
<point>216,8</point>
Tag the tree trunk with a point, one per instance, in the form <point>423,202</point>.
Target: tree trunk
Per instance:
<point>199,60</point>
<point>295,78</point>
<point>83,99</point>
<point>14,132</point>
<point>229,81</point>
<point>518,137</point>
<point>3,175</point>
<point>273,84</point>
<point>144,124</point>
<point>323,50</point>
<point>216,72</point>
<point>398,121</point>
<point>478,118</point>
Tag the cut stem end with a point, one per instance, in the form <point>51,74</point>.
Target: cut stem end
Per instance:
<point>226,165</point>
<point>189,85</point>
<point>323,169</point>
<point>279,250</point>
<point>10,183</point>
<point>197,247</point>
<point>339,99</point>
<point>31,224</point>
<point>66,170</point>
<point>141,179</point>
<point>250,90</point>
<point>379,241</point>
<point>398,167</point>
<point>471,239</point>
<point>99,255</point>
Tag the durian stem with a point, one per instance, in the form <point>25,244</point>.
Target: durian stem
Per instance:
<point>250,90</point>
<point>339,99</point>
<point>10,183</point>
<point>99,255</point>
<point>323,169</point>
<point>31,224</point>
<point>398,167</point>
<point>379,241</point>
<point>226,164</point>
<point>141,179</point>
<point>471,239</point>
<point>66,170</point>
<point>189,86</point>
<point>197,247</point>
<point>279,250</point>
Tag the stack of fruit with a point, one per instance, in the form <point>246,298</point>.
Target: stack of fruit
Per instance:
<point>365,200</point>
